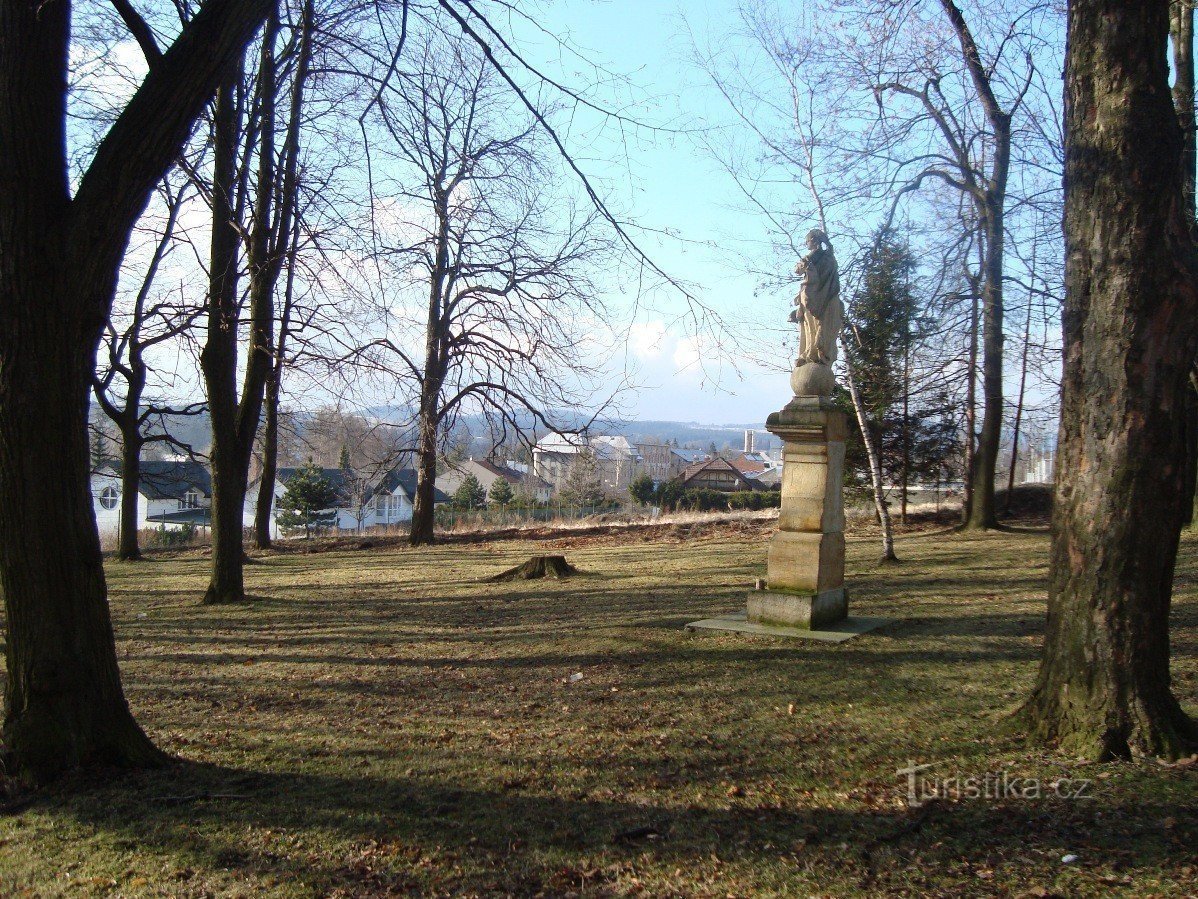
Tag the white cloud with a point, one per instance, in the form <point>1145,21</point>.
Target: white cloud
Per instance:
<point>646,339</point>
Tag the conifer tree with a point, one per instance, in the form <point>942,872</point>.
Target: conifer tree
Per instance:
<point>309,502</point>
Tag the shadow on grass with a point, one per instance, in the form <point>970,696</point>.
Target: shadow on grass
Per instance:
<point>525,843</point>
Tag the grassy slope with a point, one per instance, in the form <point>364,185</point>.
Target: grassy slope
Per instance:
<point>380,722</point>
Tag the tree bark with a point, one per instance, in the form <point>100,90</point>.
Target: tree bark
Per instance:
<point>1181,33</point>
<point>59,259</point>
<point>971,396</point>
<point>128,548</point>
<point>1130,330</point>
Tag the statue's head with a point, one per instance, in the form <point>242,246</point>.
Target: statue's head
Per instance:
<point>816,239</point>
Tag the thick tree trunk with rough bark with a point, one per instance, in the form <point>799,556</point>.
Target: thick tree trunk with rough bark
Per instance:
<point>64,706</point>
<point>1181,33</point>
<point>59,259</point>
<point>1130,329</point>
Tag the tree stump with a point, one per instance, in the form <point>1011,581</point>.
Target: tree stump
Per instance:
<point>537,567</point>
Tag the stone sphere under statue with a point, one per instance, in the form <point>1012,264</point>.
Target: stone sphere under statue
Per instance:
<point>812,379</point>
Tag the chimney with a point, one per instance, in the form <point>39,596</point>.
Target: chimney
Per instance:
<point>749,435</point>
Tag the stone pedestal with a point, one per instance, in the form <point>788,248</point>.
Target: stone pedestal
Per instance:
<point>805,568</point>
<point>803,596</point>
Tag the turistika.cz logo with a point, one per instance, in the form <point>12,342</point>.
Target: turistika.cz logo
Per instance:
<point>924,785</point>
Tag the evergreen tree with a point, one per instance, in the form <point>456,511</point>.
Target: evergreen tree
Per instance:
<point>643,490</point>
<point>501,493</point>
<point>583,486</point>
<point>470,494</point>
<point>916,432</point>
<point>309,502</point>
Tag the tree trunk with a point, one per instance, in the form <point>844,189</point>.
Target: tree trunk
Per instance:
<point>982,514</point>
<point>130,493</point>
<point>424,507</point>
<point>1027,341</point>
<point>64,706</point>
<point>990,201</point>
<point>289,231</point>
<point>1130,330</point>
<point>1181,32</point>
<point>971,397</point>
<point>875,464</point>
<point>218,360</point>
<point>435,361</point>
<point>233,437</point>
<point>59,261</point>
<point>270,461</point>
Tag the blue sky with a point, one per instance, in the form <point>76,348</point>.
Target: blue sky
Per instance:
<point>667,183</point>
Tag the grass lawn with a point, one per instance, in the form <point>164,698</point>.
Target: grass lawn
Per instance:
<point>381,723</point>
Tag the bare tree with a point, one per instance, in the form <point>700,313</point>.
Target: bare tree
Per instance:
<point>235,418</point>
<point>150,322</point>
<point>509,318</point>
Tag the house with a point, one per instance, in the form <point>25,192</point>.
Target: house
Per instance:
<point>657,461</point>
<point>363,502</point>
<point>769,479</point>
<point>715,474</point>
<point>170,495</point>
<point>487,473</point>
<point>616,460</point>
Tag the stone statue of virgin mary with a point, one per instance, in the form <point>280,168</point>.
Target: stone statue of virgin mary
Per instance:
<point>820,314</point>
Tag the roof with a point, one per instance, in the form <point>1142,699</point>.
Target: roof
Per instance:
<point>604,446</point>
<point>715,465</point>
<point>405,479</point>
<point>170,480</point>
<point>566,444</point>
<point>201,517</point>
<point>749,463</point>
<point>770,478</point>
<point>690,455</point>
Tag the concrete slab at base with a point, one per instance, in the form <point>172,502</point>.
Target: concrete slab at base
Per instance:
<point>845,629</point>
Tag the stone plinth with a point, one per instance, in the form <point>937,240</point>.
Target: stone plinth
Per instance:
<point>805,568</point>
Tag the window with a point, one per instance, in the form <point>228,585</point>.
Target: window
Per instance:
<point>109,497</point>
<point>190,500</point>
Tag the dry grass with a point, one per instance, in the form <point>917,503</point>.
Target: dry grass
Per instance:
<point>383,722</point>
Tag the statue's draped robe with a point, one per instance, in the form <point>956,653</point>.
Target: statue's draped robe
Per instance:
<point>823,314</point>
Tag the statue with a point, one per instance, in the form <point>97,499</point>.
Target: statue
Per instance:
<point>820,315</point>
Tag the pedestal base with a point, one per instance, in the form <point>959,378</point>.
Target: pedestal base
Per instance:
<point>845,629</point>
<point>803,610</point>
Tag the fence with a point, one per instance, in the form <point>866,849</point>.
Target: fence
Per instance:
<point>449,518</point>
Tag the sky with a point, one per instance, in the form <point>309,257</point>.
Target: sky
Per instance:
<point>684,211</point>
<point>667,183</point>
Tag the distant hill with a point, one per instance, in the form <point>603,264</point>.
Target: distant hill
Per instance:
<point>194,429</point>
